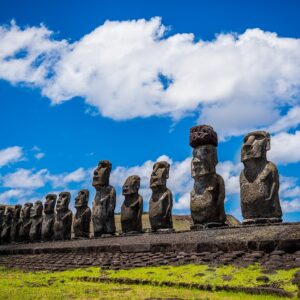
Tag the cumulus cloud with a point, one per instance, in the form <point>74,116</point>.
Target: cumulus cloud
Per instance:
<point>129,69</point>
<point>10,155</point>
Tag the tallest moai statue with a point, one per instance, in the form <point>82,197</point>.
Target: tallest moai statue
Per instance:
<point>207,196</point>
<point>259,181</point>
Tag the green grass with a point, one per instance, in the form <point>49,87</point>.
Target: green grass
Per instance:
<point>15,284</point>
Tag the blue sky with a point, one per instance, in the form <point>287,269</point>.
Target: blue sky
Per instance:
<point>125,80</point>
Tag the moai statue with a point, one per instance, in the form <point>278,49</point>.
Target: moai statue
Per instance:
<point>132,207</point>
<point>2,213</point>
<point>105,201</point>
<point>161,201</point>
<point>208,193</point>
<point>25,222</point>
<point>35,233</point>
<point>82,219</point>
<point>7,224</point>
<point>15,229</point>
<point>63,218</point>
<point>48,218</point>
<point>259,181</point>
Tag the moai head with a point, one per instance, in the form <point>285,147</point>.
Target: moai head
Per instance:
<point>255,146</point>
<point>101,174</point>
<point>9,214</point>
<point>37,209</point>
<point>160,174</point>
<point>26,210</point>
<point>131,185</point>
<point>63,201</point>
<point>82,199</point>
<point>204,140</point>
<point>17,211</point>
<point>49,205</point>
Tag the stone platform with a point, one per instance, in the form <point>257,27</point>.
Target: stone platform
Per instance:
<point>275,246</point>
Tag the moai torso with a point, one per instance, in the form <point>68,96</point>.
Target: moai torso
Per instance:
<point>7,224</point>
<point>161,201</point>
<point>63,218</point>
<point>15,229</point>
<point>105,201</point>
<point>35,233</point>
<point>208,193</point>
<point>132,207</point>
<point>48,218</point>
<point>25,222</point>
<point>259,181</point>
<point>82,219</point>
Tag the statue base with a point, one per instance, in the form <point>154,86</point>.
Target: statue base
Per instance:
<point>261,221</point>
<point>196,227</point>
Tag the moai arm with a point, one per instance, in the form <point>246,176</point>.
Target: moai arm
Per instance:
<point>112,202</point>
<point>169,198</point>
<point>67,215</point>
<point>221,197</point>
<point>140,205</point>
<point>273,173</point>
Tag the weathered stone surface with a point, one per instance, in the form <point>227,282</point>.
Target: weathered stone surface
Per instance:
<point>132,207</point>
<point>35,233</point>
<point>7,224</point>
<point>48,218</point>
<point>208,194</point>
<point>259,181</point>
<point>161,201</point>
<point>63,217</point>
<point>16,223</point>
<point>82,219</point>
<point>25,222</point>
<point>2,213</point>
<point>105,201</point>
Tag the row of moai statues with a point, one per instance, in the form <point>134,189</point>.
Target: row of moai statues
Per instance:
<point>259,184</point>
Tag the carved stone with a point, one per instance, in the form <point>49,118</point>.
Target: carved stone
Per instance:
<point>161,201</point>
<point>7,224</point>
<point>208,193</point>
<point>15,229</point>
<point>35,233</point>
<point>132,207</point>
<point>105,201</point>
<point>25,222</point>
<point>63,217</point>
<point>2,213</point>
<point>48,218</point>
<point>259,181</point>
<point>82,219</point>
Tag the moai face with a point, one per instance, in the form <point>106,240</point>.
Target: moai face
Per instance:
<point>37,209</point>
<point>101,174</point>
<point>160,174</point>
<point>63,201</point>
<point>204,161</point>
<point>256,144</point>
<point>82,199</point>
<point>50,204</point>
<point>131,185</point>
<point>25,211</point>
<point>17,211</point>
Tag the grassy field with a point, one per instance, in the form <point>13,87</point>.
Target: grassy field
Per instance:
<point>15,284</point>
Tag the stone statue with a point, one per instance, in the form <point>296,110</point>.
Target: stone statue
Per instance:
<point>25,222</point>
<point>48,218</point>
<point>35,233</point>
<point>105,201</point>
<point>63,218</point>
<point>161,201</point>
<point>259,181</point>
<point>82,219</point>
<point>14,234</point>
<point>208,193</point>
<point>2,213</point>
<point>132,207</point>
<point>7,224</point>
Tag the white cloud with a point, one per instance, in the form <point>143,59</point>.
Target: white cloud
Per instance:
<point>75,176</point>
<point>285,148</point>
<point>131,69</point>
<point>10,155</point>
